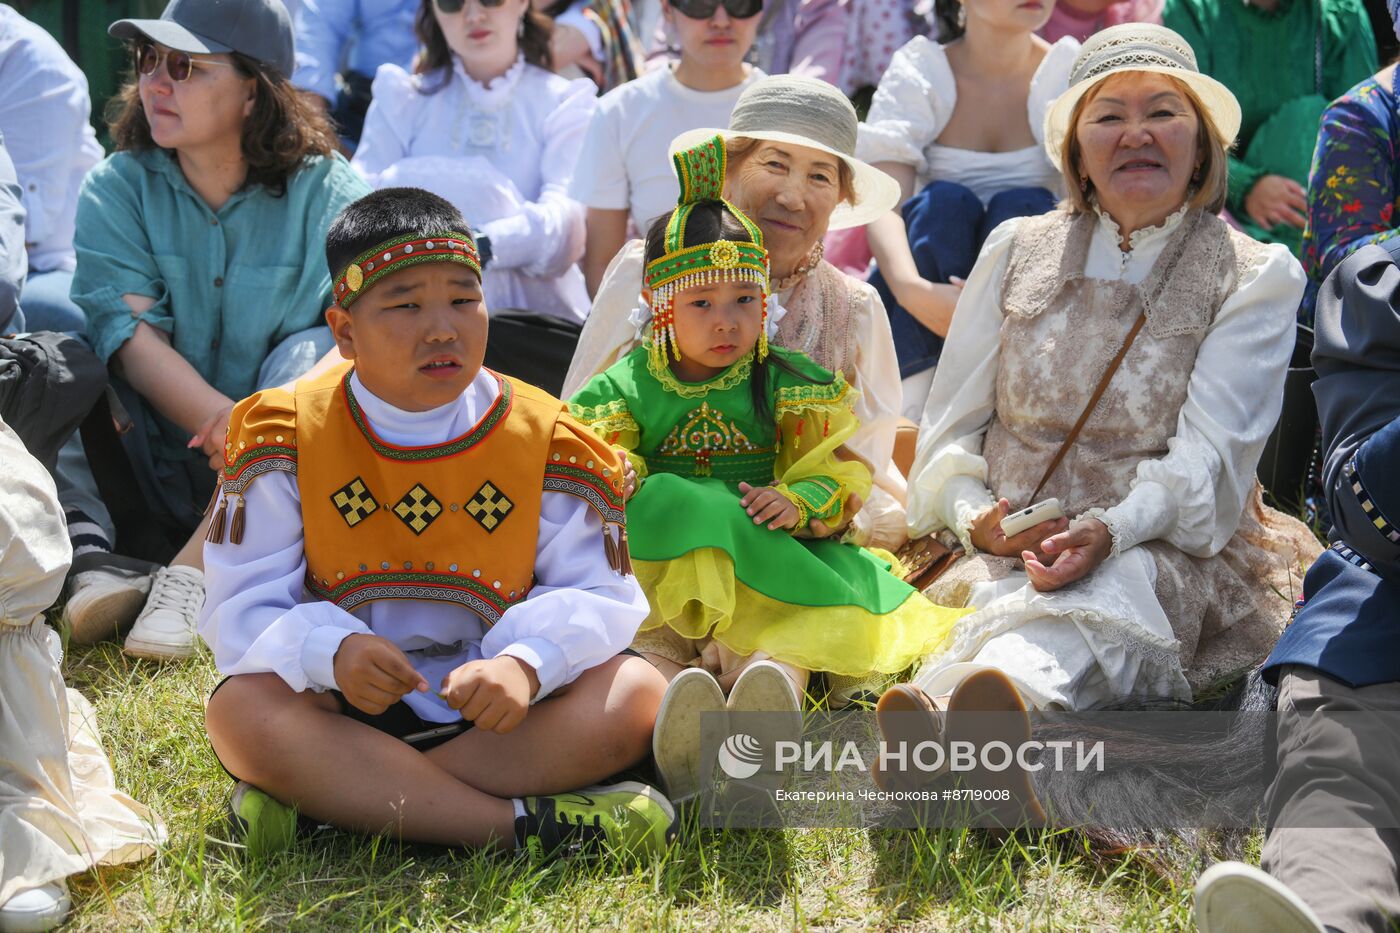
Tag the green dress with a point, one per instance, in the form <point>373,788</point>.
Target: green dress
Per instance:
<point>1269,61</point>
<point>707,569</point>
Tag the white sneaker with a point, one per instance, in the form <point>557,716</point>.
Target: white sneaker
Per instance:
<point>675,742</point>
<point>105,597</point>
<point>1232,897</point>
<point>35,910</point>
<point>765,688</point>
<point>165,629</point>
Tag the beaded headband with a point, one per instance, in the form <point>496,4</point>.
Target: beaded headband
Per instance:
<point>701,173</point>
<point>392,255</point>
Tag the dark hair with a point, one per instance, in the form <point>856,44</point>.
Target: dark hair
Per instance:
<point>283,131</point>
<point>384,215</point>
<point>710,221</point>
<point>945,20</point>
<point>437,55</point>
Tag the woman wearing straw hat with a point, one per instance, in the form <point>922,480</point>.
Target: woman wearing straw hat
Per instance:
<point>791,167</point>
<point>1124,355</point>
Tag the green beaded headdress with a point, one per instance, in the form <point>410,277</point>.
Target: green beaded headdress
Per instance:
<point>701,173</point>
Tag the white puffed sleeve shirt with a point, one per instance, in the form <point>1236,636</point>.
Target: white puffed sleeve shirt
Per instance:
<point>915,100</point>
<point>504,154</point>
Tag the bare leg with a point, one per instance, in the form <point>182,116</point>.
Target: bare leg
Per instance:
<point>301,750</point>
<point>731,665</point>
<point>596,726</point>
<point>192,554</point>
<point>668,668</point>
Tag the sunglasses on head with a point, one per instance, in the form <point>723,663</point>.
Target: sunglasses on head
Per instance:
<point>179,65</point>
<point>455,6</point>
<point>704,9</point>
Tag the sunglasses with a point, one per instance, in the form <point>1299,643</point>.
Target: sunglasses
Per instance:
<point>704,9</point>
<point>178,65</point>
<point>455,6</point>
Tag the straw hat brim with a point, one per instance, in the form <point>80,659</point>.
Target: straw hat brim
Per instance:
<point>875,191</point>
<point>1222,109</point>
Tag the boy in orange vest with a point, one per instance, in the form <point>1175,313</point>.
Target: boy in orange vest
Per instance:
<point>417,580</point>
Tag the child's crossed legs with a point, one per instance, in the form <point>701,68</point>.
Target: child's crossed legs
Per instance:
<point>302,750</point>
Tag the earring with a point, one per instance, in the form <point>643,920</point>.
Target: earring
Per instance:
<point>962,16</point>
<point>763,329</point>
<point>663,332</point>
<point>520,33</point>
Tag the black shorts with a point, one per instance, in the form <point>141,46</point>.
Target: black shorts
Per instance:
<point>399,721</point>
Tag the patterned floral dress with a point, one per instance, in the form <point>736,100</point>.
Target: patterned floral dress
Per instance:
<point>1355,185</point>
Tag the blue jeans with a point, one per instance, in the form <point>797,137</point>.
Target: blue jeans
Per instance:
<point>44,304</point>
<point>175,491</point>
<point>947,226</point>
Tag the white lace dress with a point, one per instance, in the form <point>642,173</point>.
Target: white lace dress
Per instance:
<point>1202,577</point>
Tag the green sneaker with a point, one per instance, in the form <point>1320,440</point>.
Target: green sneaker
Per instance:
<point>629,817</point>
<point>265,825</point>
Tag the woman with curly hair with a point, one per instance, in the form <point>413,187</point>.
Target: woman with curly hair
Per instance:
<point>200,273</point>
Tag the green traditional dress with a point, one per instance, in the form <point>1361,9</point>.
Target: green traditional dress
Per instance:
<point>707,569</point>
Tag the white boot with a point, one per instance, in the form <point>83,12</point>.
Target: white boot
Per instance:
<point>35,910</point>
<point>165,629</point>
<point>1232,897</point>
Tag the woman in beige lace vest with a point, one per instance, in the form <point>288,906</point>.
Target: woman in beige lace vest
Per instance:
<point>792,168</point>
<point>1168,571</point>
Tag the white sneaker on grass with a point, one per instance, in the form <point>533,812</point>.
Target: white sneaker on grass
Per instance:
<point>105,594</point>
<point>35,910</point>
<point>765,688</point>
<point>675,742</point>
<point>165,629</point>
<point>1232,897</point>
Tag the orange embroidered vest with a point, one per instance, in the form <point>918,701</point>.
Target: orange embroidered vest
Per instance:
<point>455,522</point>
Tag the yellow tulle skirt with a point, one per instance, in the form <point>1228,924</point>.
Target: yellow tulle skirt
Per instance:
<point>699,596</point>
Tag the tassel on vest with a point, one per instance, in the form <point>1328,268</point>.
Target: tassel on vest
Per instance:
<point>235,531</point>
<point>610,548</point>
<point>625,555</point>
<point>216,527</point>
<point>618,557</point>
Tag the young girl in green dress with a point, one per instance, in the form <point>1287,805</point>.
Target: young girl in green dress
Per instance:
<point>738,449</point>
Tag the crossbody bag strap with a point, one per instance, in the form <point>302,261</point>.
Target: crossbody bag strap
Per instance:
<point>1089,408</point>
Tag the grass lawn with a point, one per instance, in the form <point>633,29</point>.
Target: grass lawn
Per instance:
<point>152,727</point>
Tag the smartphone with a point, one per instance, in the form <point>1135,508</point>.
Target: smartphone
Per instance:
<point>1043,511</point>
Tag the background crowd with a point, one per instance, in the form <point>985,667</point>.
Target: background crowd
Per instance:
<point>165,212</point>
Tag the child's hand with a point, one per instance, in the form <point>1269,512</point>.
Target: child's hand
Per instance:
<point>373,674</point>
<point>494,695</point>
<point>766,504</point>
<point>629,478</point>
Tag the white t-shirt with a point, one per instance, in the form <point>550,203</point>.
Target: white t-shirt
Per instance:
<point>624,163</point>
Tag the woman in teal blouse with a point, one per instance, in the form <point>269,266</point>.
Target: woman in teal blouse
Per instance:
<point>201,269</point>
<point>1285,60</point>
